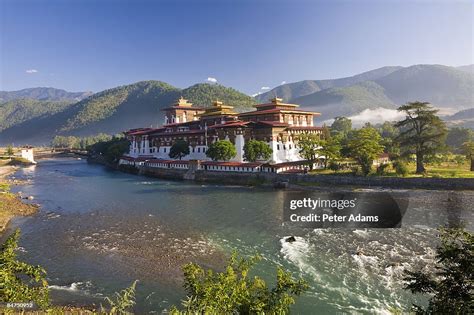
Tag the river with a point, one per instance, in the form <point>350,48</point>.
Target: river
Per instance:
<point>98,230</point>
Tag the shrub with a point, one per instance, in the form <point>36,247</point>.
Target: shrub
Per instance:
<point>451,285</point>
<point>123,300</point>
<point>235,292</point>
<point>400,168</point>
<point>382,169</point>
<point>21,282</point>
<point>334,166</point>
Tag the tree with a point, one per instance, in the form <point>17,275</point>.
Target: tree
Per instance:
<point>365,146</point>
<point>179,149</point>
<point>9,151</point>
<point>468,150</point>
<point>457,136</point>
<point>233,291</point>
<point>221,150</point>
<point>451,286</point>
<point>21,282</point>
<point>341,125</point>
<point>422,132</point>
<point>257,150</point>
<point>330,148</point>
<point>309,146</point>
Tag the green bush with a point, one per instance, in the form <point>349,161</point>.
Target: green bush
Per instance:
<point>19,281</point>
<point>123,301</point>
<point>400,168</point>
<point>233,291</point>
<point>334,166</point>
<point>450,287</point>
<point>382,169</point>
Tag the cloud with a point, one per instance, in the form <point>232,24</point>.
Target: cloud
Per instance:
<point>30,71</point>
<point>374,116</point>
<point>265,88</point>
<point>253,95</point>
<point>212,80</point>
<point>283,82</point>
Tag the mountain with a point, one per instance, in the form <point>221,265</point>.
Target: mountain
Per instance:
<point>43,94</point>
<point>442,86</point>
<point>464,118</point>
<point>445,87</point>
<point>294,90</point>
<point>464,114</point>
<point>346,101</point>
<point>115,110</point>
<point>20,110</point>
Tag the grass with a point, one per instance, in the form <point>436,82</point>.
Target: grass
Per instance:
<point>434,170</point>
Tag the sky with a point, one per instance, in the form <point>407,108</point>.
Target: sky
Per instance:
<point>86,45</point>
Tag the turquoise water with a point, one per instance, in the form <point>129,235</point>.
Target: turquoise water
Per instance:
<point>99,230</point>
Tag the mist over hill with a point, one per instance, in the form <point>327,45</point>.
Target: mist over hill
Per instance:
<point>447,88</point>
<point>372,95</point>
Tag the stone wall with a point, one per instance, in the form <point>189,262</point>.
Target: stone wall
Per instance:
<point>317,180</point>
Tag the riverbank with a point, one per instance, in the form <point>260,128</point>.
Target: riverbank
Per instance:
<point>296,180</point>
<point>10,204</point>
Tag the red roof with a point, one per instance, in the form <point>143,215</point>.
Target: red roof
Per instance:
<point>183,108</point>
<point>141,131</point>
<point>168,161</point>
<point>294,163</point>
<point>192,131</point>
<point>238,164</point>
<point>276,110</point>
<point>231,124</point>
<point>305,128</point>
<point>273,123</point>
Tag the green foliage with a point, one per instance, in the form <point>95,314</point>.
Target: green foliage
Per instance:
<point>42,94</point>
<point>9,151</point>
<point>104,104</point>
<point>468,149</point>
<point>400,168</point>
<point>17,111</point>
<point>78,143</point>
<point>4,187</point>
<point>341,125</point>
<point>365,146</point>
<point>422,132</point>
<point>204,94</point>
<point>179,149</point>
<point>330,148</point>
<point>457,136</point>
<point>111,150</point>
<point>123,300</point>
<point>19,281</point>
<point>222,150</point>
<point>451,287</point>
<point>382,169</point>
<point>257,150</point>
<point>309,146</point>
<point>234,291</point>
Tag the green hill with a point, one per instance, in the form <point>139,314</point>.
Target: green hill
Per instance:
<point>20,110</point>
<point>440,85</point>
<point>444,87</point>
<point>294,90</point>
<point>346,101</point>
<point>43,94</point>
<point>203,94</point>
<point>111,111</point>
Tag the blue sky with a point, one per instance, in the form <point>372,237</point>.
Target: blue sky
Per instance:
<point>93,45</point>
